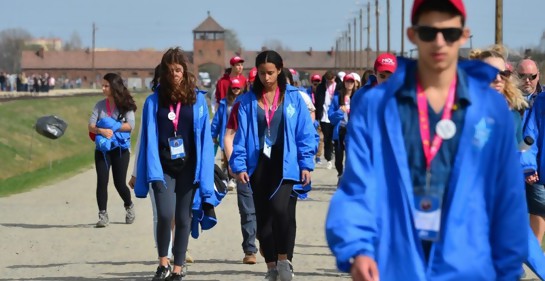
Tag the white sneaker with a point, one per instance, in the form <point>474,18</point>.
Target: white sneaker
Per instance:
<point>329,165</point>
<point>231,185</point>
<point>284,270</point>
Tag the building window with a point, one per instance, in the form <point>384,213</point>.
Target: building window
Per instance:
<point>219,52</point>
<point>200,53</point>
<point>134,74</point>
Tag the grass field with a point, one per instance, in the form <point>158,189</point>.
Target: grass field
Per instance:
<point>29,159</point>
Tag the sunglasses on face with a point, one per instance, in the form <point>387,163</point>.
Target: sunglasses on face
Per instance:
<point>384,75</point>
<point>429,34</point>
<point>505,74</point>
<point>524,76</point>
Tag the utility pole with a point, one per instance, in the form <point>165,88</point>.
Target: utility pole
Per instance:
<point>403,28</point>
<point>499,22</point>
<point>377,27</point>
<point>349,64</point>
<point>361,40</point>
<point>336,52</point>
<point>355,48</point>
<point>93,56</point>
<point>368,35</point>
<point>388,25</point>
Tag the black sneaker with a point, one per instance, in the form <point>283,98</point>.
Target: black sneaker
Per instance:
<point>162,273</point>
<point>174,277</point>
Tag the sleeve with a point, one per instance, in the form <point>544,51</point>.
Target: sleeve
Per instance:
<point>508,209</point>
<point>334,113</point>
<point>305,138</point>
<point>216,121</point>
<point>232,123</point>
<point>94,116</point>
<point>528,159</point>
<point>206,186</point>
<point>137,148</point>
<point>129,118</point>
<point>349,236</point>
<point>239,156</point>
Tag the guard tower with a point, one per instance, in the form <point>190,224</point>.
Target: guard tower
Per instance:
<point>209,48</point>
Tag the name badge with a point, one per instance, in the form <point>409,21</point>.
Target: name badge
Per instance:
<point>177,149</point>
<point>267,147</point>
<point>427,216</point>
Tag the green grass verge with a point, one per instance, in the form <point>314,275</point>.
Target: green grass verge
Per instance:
<point>26,156</point>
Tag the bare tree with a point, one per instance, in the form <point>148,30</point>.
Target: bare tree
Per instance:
<point>12,43</point>
<point>74,43</point>
<point>231,40</point>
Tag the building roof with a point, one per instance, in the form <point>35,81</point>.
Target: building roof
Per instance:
<point>103,59</point>
<point>209,25</point>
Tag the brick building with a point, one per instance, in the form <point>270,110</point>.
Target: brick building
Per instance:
<point>209,54</point>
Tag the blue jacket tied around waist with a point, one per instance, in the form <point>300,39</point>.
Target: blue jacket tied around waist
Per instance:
<point>299,136</point>
<point>149,165</point>
<point>484,218</point>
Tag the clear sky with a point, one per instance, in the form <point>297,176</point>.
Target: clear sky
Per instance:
<point>299,24</point>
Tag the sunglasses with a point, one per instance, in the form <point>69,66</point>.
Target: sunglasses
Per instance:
<point>524,76</point>
<point>429,34</point>
<point>505,74</point>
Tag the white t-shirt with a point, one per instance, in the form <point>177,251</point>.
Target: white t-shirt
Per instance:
<point>308,101</point>
<point>330,91</point>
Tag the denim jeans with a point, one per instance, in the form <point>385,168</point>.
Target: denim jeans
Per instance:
<point>247,217</point>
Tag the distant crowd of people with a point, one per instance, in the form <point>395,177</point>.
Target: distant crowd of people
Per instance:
<point>35,83</point>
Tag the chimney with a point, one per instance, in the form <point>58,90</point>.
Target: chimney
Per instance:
<point>40,53</point>
<point>310,51</point>
<point>330,52</point>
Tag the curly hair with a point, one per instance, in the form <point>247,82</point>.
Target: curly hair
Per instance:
<point>170,91</point>
<point>122,97</point>
<point>512,93</point>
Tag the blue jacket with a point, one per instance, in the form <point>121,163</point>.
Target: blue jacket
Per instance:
<point>336,115</point>
<point>149,166</point>
<point>119,139</point>
<point>534,159</point>
<point>371,82</point>
<point>299,136</point>
<point>219,123</point>
<point>371,212</point>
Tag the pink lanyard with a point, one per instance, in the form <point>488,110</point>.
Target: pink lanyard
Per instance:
<point>331,89</point>
<point>269,111</point>
<point>175,120</point>
<point>422,101</point>
<point>108,109</point>
<point>347,103</point>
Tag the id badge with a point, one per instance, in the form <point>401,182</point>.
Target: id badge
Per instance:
<point>427,216</point>
<point>176,147</point>
<point>267,147</point>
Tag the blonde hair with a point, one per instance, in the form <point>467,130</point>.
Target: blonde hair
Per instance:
<point>512,94</point>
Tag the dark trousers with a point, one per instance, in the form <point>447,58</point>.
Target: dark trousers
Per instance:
<point>248,224</point>
<point>271,199</point>
<point>292,231</point>
<point>327,130</point>
<point>183,189</point>
<point>339,151</point>
<point>119,161</point>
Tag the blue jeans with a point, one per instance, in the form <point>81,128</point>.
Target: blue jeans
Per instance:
<point>535,198</point>
<point>247,217</point>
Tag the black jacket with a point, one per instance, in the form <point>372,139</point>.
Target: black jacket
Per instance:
<point>320,96</point>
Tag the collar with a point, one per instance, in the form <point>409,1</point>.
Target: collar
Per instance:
<point>409,90</point>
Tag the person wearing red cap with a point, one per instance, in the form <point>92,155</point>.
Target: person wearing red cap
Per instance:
<point>251,78</point>
<point>432,187</point>
<point>385,66</point>
<point>234,72</point>
<point>315,80</point>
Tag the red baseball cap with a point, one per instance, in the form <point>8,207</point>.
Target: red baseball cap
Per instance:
<point>252,74</point>
<point>349,77</point>
<point>235,83</point>
<point>316,77</point>
<point>235,60</point>
<point>386,62</point>
<point>458,4</point>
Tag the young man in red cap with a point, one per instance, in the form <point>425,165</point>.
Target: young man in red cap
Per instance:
<point>433,188</point>
<point>235,72</point>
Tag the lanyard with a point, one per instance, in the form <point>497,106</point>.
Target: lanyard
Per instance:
<point>331,89</point>
<point>108,109</point>
<point>175,119</point>
<point>423,117</point>
<point>269,111</point>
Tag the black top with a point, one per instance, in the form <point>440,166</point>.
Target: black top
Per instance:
<point>165,129</point>
<point>277,127</point>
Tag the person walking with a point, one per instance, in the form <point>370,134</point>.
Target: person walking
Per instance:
<point>110,126</point>
<point>432,188</point>
<point>272,118</point>
<point>175,157</point>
